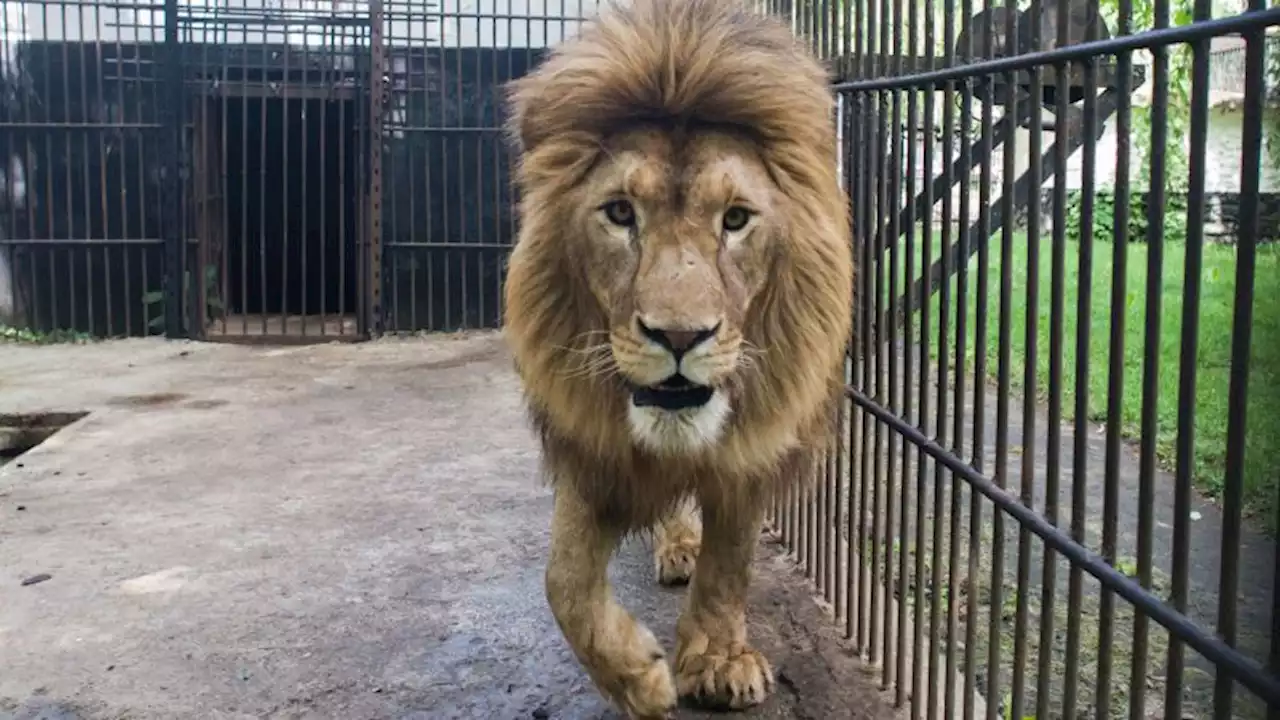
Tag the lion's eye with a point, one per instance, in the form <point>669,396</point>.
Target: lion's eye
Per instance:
<point>620,212</point>
<point>735,218</point>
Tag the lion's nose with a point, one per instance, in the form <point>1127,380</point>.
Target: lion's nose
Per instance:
<point>678,340</point>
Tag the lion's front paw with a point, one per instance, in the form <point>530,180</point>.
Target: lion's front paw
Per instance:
<point>735,680</point>
<point>674,559</point>
<point>650,693</point>
<point>641,684</point>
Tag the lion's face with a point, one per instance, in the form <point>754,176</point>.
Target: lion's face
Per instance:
<point>678,195</point>
<point>677,234</point>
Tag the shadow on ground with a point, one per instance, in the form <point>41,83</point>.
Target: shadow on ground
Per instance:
<point>330,532</point>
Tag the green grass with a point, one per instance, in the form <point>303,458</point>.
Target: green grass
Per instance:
<point>1213,356</point>
<point>24,336</point>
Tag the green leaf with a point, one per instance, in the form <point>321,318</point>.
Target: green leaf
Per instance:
<point>153,297</point>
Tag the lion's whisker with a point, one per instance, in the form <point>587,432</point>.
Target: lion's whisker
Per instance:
<point>589,350</point>
<point>601,365</point>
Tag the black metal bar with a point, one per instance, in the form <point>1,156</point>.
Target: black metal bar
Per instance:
<point>1245,22</point>
<point>1241,341</point>
<point>908,375</point>
<point>1151,361</point>
<point>1057,309</point>
<point>69,126</point>
<point>940,485</point>
<point>74,242</point>
<point>980,374</point>
<point>1030,384</point>
<point>1185,444</point>
<point>284,201</point>
<point>881,485</point>
<point>1080,436</point>
<point>891,360</point>
<point>1115,373</point>
<point>176,171</point>
<point>854,625</point>
<point>371,320</point>
<point>918,677</point>
<point>1234,665</point>
<point>868,522</point>
<point>1003,369</point>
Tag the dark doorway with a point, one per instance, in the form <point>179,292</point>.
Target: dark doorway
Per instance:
<point>291,263</point>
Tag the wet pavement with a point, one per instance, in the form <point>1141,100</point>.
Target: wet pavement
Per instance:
<point>336,531</point>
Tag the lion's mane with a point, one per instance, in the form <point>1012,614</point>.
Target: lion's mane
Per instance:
<point>679,63</point>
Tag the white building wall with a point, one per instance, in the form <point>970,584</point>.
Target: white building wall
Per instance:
<point>512,23</point>
<point>451,23</point>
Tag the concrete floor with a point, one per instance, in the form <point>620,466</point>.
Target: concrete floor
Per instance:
<point>337,531</point>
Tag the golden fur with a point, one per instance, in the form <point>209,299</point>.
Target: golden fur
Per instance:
<point>686,111</point>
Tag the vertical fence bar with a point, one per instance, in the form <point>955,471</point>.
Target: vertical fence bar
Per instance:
<point>920,551</point>
<point>1033,17</point>
<point>1057,302</point>
<point>940,484</point>
<point>174,188</point>
<point>869,524</point>
<point>1080,434</point>
<point>372,317</point>
<point>1151,360</point>
<point>955,584</point>
<point>978,459</point>
<point>284,186</point>
<point>878,32</point>
<point>1241,343</point>
<point>854,585</point>
<point>996,600</point>
<point>908,371</point>
<point>894,242</point>
<point>1115,369</point>
<point>1185,443</point>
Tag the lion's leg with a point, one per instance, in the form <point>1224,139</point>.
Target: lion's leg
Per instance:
<point>676,539</point>
<point>714,664</point>
<point>622,656</point>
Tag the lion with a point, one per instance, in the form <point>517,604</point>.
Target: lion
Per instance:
<point>678,304</point>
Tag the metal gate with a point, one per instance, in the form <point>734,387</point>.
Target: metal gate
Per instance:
<point>277,123</point>
<point>1053,495</point>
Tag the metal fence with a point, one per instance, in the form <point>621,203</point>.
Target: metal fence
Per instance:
<point>1050,496</point>
<point>245,170</point>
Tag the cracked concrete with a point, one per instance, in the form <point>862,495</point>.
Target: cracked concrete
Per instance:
<point>337,531</point>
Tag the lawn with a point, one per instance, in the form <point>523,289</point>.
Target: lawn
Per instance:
<point>1213,358</point>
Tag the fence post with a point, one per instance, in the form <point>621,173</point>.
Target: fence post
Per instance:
<point>373,250</point>
<point>175,180</point>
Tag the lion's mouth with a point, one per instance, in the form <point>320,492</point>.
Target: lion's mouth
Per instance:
<point>674,393</point>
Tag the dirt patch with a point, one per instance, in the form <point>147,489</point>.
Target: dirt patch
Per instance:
<point>204,404</point>
<point>147,400</point>
<point>457,361</point>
